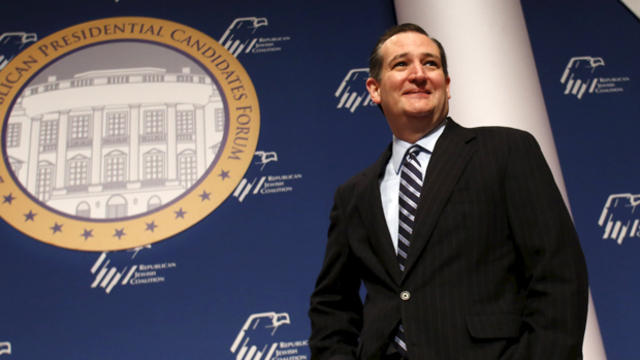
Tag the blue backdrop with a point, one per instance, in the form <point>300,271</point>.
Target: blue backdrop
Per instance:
<point>242,276</point>
<point>596,141</point>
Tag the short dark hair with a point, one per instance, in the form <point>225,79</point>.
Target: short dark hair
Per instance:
<point>375,59</point>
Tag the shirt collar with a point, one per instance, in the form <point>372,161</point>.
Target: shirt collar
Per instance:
<point>428,143</point>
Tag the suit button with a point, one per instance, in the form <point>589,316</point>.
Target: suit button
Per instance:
<point>405,295</point>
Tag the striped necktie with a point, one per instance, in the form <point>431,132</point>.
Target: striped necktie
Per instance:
<point>409,196</point>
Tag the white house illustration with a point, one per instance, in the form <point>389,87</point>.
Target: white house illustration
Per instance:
<point>114,143</point>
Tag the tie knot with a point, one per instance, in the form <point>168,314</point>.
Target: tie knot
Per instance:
<point>412,154</point>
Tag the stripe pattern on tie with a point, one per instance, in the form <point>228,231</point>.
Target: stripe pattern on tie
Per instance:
<point>409,196</point>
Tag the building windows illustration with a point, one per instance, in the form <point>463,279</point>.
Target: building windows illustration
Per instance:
<point>116,127</point>
<point>219,120</point>
<point>154,203</point>
<point>184,125</point>
<point>116,207</point>
<point>44,181</point>
<point>115,168</point>
<point>13,135</point>
<point>154,122</point>
<point>83,209</point>
<point>48,135</point>
<point>187,171</point>
<point>78,172</point>
<point>117,142</point>
<point>80,130</point>
<point>154,166</point>
<point>80,127</point>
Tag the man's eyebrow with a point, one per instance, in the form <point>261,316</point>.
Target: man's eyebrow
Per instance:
<point>404,54</point>
<point>399,56</point>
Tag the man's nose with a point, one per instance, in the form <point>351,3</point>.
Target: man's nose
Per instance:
<point>418,73</point>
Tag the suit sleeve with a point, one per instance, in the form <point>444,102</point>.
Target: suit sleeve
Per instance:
<point>554,265</point>
<point>336,308</point>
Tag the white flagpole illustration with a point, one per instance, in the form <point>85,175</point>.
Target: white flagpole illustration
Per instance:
<point>494,81</point>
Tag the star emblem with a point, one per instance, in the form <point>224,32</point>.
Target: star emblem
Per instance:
<point>151,226</point>
<point>119,233</point>
<point>29,216</point>
<point>224,174</point>
<point>180,213</point>
<point>8,198</point>
<point>205,195</point>
<point>56,228</point>
<point>86,234</point>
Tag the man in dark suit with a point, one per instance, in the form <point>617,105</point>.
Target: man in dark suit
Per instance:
<point>480,262</point>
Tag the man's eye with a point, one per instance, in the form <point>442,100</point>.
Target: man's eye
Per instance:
<point>431,63</point>
<point>399,64</point>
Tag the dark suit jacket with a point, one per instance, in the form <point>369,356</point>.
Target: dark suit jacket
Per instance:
<point>494,270</point>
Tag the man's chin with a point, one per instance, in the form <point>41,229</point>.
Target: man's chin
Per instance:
<point>425,112</point>
<point>419,113</point>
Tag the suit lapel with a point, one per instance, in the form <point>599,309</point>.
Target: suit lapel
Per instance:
<point>450,156</point>
<point>370,208</point>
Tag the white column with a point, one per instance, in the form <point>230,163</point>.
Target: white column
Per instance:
<point>201,146</point>
<point>61,151</point>
<point>134,147</point>
<point>172,150</point>
<point>494,81</point>
<point>96,150</point>
<point>34,151</point>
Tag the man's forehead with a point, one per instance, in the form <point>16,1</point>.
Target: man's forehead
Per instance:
<point>409,43</point>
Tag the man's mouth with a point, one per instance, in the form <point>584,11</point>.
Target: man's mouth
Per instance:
<point>418,91</point>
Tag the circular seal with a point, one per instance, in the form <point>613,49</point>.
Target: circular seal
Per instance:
<point>121,132</point>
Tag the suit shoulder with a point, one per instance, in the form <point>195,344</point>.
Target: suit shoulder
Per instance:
<point>373,171</point>
<point>359,178</point>
<point>504,136</point>
<point>501,131</point>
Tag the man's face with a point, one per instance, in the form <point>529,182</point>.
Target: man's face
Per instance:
<point>412,90</point>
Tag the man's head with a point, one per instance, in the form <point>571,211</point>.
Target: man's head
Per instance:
<point>409,80</point>
<point>375,58</point>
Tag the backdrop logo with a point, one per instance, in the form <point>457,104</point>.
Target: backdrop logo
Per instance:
<point>242,37</point>
<point>109,157</point>
<point>124,272</point>
<point>620,217</point>
<point>5,348</point>
<point>11,43</point>
<point>257,182</point>
<point>579,77</point>
<point>352,91</point>
<point>256,339</point>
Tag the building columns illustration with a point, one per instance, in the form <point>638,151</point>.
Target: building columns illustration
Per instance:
<point>61,152</point>
<point>134,147</point>
<point>201,146</point>
<point>34,152</point>
<point>172,150</point>
<point>96,142</point>
<point>96,149</point>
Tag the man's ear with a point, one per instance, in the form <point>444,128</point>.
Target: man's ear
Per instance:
<point>448,81</point>
<point>374,90</point>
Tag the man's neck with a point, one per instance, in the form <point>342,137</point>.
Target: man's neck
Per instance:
<point>416,129</point>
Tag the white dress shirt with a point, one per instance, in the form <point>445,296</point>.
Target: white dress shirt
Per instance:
<point>390,183</point>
